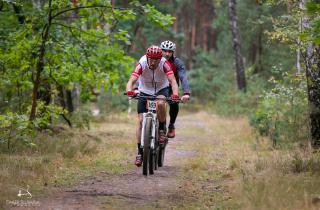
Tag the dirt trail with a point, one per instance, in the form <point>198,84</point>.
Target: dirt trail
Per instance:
<point>129,190</point>
<point>132,190</point>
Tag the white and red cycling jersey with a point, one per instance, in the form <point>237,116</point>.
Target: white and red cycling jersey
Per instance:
<point>151,81</point>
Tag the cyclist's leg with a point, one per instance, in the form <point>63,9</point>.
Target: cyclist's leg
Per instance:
<point>174,110</point>
<point>173,113</point>
<point>139,127</point>
<point>161,114</point>
<point>161,110</point>
<point>141,108</point>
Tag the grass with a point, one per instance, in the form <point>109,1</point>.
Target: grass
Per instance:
<point>205,173</point>
<point>284,180</point>
<point>66,156</point>
<point>232,170</point>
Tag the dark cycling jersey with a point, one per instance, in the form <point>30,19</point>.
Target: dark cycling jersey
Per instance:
<point>180,73</point>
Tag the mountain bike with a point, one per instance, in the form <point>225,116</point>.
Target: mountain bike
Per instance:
<point>153,152</point>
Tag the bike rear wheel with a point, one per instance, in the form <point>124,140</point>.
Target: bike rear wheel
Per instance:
<point>151,161</point>
<point>146,146</point>
<point>156,158</point>
<point>162,150</point>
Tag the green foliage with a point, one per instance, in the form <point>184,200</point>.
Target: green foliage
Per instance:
<point>157,17</point>
<point>232,102</point>
<point>46,114</point>
<point>88,50</point>
<point>84,55</point>
<point>81,117</point>
<point>313,10</point>
<point>282,113</point>
<point>15,129</point>
<point>277,109</point>
<point>206,75</point>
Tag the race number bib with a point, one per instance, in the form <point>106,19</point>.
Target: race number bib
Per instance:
<point>152,105</point>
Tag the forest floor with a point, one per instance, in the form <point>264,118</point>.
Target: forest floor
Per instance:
<point>213,163</point>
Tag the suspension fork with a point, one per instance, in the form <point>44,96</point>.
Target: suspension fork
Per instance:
<point>154,130</point>
<point>145,116</point>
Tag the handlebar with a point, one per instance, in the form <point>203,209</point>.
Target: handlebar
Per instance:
<point>154,97</point>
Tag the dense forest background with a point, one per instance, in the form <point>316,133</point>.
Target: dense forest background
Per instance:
<point>61,58</point>
<point>248,138</point>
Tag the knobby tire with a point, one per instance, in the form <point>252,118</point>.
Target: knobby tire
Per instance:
<point>146,146</point>
<point>162,150</point>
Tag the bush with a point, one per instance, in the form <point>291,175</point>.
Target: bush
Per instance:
<point>81,117</point>
<point>15,129</point>
<point>233,102</point>
<point>282,112</point>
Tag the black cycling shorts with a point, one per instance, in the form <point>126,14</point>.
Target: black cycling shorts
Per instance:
<point>142,103</point>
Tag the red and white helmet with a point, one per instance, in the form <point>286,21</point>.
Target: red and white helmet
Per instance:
<point>154,52</point>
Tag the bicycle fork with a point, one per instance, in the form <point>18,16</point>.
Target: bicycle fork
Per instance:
<point>153,132</point>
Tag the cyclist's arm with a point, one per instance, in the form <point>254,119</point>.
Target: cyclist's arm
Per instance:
<point>182,75</point>
<point>172,80</point>
<point>134,77</point>
<point>174,84</point>
<point>131,82</point>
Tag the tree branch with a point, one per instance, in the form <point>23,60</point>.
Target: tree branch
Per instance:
<point>71,27</point>
<point>86,7</point>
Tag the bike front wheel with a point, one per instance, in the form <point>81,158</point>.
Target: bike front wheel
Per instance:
<point>146,146</point>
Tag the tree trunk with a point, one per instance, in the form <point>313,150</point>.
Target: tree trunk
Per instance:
<point>241,79</point>
<point>312,65</point>
<point>187,42</point>
<point>175,23</point>
<point>113,3</point>
<point>40,64</point>
<point>63,103</point>
<point>44,93</point>
<point>69,101</point>
<point>313,84</point>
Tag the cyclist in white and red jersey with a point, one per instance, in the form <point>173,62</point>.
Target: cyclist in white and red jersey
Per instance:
<point>155,75</point>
